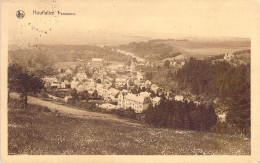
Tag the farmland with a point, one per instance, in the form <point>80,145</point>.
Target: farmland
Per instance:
<point>160,49</point>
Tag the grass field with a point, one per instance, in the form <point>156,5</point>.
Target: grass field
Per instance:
<point>37,130</point>
<point>205,48</point>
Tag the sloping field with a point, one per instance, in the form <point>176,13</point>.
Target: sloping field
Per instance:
<point>38,130</point>
<point>161,49</point>
<point>201,48</point>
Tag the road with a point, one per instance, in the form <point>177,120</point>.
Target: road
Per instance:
<point>74,111</point>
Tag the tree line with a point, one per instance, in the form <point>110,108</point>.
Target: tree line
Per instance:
<point>181,115</point>
<point>220,80</point>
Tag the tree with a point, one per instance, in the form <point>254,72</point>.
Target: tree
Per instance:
<point>158,68</point>
<point>74,94</point>
<point>149,75</point>
<point>134,60</point>
<point>166,63</point>
<point>84,95</point>
<point>22,82</point>
<point>44,59</point>
<point>95,94</point>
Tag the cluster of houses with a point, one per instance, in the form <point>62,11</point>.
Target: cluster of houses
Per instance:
<point>109,82</point>
<point>229,57</point>
<point>173,63</point>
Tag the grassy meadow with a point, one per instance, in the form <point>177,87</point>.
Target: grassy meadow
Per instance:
<point>38,131</point>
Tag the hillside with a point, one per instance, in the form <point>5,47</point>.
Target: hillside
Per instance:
<point>48,55</point>
<point>37,130</point>
<point>155,50</point>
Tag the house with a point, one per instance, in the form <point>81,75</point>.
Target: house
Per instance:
<point>145,94</point>
<point>136,102</point>
<point>113,92</point>
<point>81,76</point>
<point>79,61</point>
<point>179,98</point>
<point>197,102</point>
<point>66,98</point>
<point>74,84</point>
<point>80,88</point>
<point>229,57</point>
<point>62,75</point>
<point>110,94</point>
<point>173,63</point>
<point>155,88</point>
<point>156,100</point>
<point>139,77</point>
<point>98,76</point>
<point>54,85</point>
<point>130,83</point>
<point>147,64</point>
<point>133,66</point>
<point>120,82</point>
<point>50,80</point>
<point>68,71</point>
<point>62,85</point>
<point>97,61</point>
<point>148,83</point>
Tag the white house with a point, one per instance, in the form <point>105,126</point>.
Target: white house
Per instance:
<point>179,98</point>
<point>68,71</point>
<point>66,99</point>
<point>97,59</point>
<point>229,56</point>
<point>145,94</point>
<point>156,100</point>
<point>74,84</point>
<point>155,88</point>
<point>138,103</point>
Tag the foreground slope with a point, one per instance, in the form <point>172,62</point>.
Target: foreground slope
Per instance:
<point>38,130</point>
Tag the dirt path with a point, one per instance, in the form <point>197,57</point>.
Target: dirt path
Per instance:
<point>75,112</point>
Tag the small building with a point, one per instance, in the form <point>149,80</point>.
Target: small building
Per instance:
<point>68,71</point>
<point>74,84</point>
<point>66,98</point>
<point>148,83</point>
<point>145,94</point>
<point>97,61</point>
<point>178,98</point>
<point>155,88</point>
<point>229,57</point>
<point>120,82</point>
<point>155,101</point>
<point>79,62</point>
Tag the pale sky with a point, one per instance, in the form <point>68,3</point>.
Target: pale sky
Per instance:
<point>111,20</point>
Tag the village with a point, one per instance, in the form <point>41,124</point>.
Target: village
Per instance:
<point>115,85</point>
<point>110,85</point>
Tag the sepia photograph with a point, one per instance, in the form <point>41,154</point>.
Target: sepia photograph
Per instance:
<point>126,77</point>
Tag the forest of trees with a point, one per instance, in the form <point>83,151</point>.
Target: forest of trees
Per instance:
<point>181,115</point>
<point>229,83</point>
<point>153,49</point>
